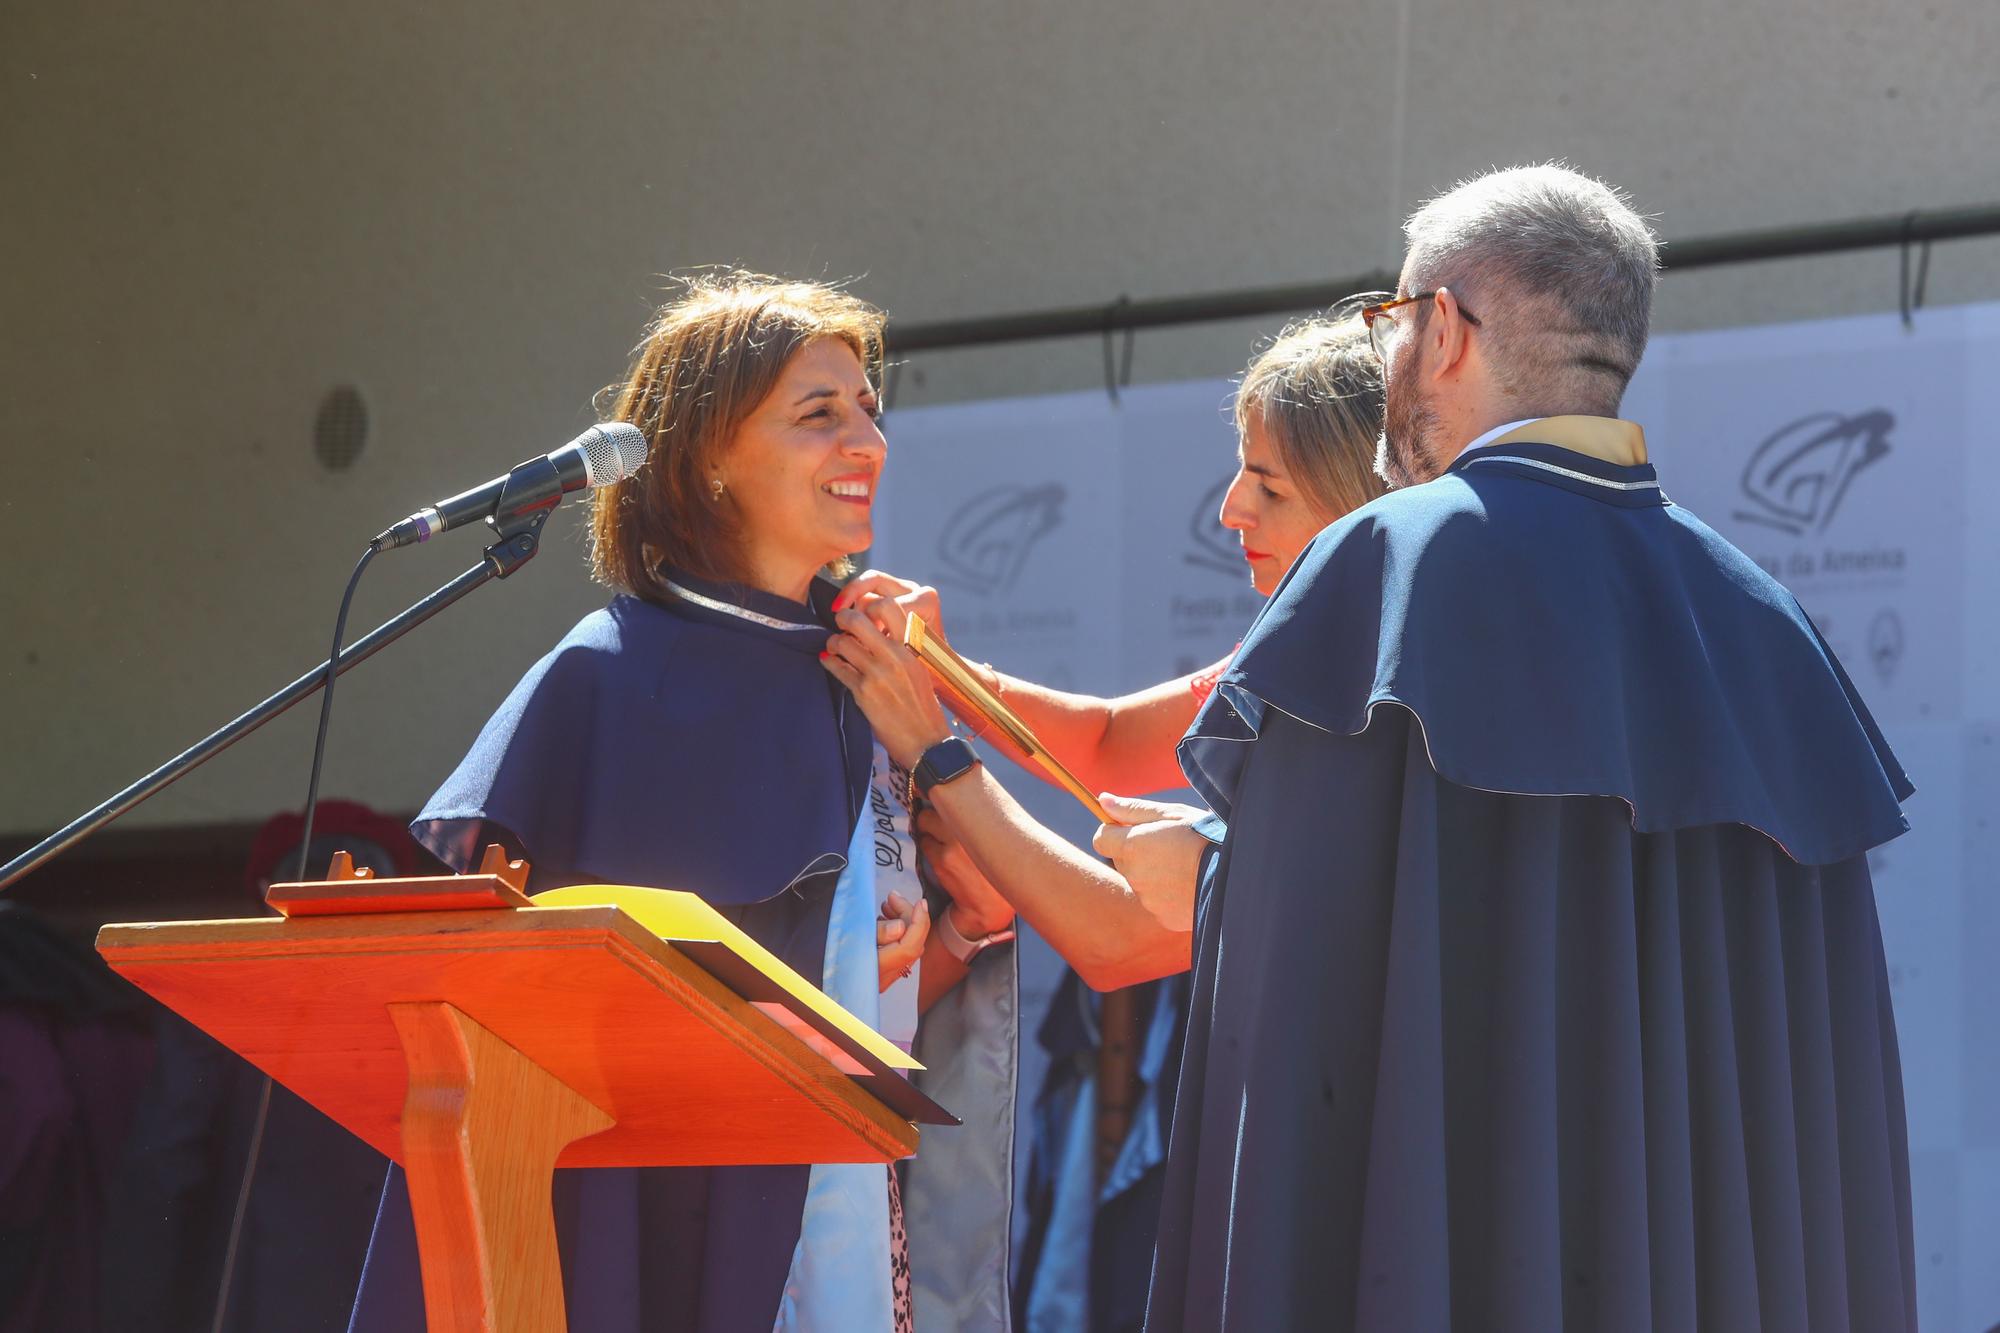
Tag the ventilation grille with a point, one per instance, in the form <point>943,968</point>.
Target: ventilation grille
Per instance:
<point>340,430</point>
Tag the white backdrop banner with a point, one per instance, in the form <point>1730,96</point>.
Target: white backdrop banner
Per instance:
<point>1076,543</point>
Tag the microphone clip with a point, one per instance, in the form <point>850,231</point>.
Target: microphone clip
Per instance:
<point>527,498</point>
<point>530,495</point>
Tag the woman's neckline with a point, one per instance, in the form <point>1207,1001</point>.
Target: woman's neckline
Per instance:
<point>752,605</point>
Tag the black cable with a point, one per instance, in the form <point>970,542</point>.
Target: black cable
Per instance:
<point>326,708</point>
<point>242,1205</point>
<point>305,849</point>
<point>1113,379</point>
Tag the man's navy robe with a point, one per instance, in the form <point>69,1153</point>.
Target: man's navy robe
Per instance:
<point>1538,982</point>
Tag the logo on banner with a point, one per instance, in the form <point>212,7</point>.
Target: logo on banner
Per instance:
<point>986,542</point>
<point>1885,643</point>
<point>1796,479</point>
<point>1210,545</point>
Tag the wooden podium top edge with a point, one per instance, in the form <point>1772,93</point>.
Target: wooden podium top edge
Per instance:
<point>589,928</point>
<point>163,940</point>
<point>148,952</point>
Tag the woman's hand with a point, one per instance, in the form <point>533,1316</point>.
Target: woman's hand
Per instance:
<point>900,937</point>
<point>889,682</point>
<point>1155,847</point>
<point>976,906</point>
<point>890,601</point>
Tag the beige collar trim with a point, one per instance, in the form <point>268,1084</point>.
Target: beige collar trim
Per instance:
<point>1620,443</point>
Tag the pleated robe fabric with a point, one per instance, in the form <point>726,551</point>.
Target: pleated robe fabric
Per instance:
<point>1538,980</point>
<point>1474,1061</point>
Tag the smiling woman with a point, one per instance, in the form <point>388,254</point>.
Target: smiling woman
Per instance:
<point>801,473</point>
<point>685,737</point>
<point>767,473</point>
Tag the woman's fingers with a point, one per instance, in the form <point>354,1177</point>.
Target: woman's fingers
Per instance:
<point>923,601</point>
<point>868,635</point>
<point>840,670</point>
<point>866,655</point>
<point>1133,810</point>
<point>836,659</point>
<point>864,645</point>
<point>1109,840</point>
<point>1161,861</point>
<point>915,933</point>
<point>982,909</point>
<point>891,685</point>
<point>954,870</point>
<point>871,582</point>
<point>888,615</point>
<point>1134,816</point>
<point>889,602</point>
<point>900,943</point>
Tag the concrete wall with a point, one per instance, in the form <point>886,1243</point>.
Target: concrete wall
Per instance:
<point>213,217</point>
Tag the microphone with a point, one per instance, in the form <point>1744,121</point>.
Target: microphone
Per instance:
<point>598,457</point>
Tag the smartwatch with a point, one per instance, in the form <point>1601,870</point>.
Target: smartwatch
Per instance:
<point>953,757</point>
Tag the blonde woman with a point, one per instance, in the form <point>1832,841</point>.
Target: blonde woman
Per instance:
<point>1308,415</point>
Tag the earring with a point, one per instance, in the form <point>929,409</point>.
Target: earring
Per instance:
<point>715,488</point>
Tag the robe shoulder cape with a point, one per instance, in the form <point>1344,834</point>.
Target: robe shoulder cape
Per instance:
<point>1509,1009</point>
<point>1617,648</point>
<point>698,746</point>
<point>667,746</point>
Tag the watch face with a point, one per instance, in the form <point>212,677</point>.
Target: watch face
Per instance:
<point>944,761</point>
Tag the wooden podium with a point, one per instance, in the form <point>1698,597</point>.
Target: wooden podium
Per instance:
<point>481,1041</point>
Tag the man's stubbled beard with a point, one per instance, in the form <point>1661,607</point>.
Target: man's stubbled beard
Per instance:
<point>1406,452</point>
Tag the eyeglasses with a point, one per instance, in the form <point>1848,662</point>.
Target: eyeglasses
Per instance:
<point>1382,325</point>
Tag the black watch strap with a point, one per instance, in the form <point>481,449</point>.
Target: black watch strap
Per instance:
<point>952,757</point>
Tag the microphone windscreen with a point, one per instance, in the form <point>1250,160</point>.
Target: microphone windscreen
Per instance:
<point>612,452</point>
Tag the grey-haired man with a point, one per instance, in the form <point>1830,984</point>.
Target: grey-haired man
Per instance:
<point>1538,980</point>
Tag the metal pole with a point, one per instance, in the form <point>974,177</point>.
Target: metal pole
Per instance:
<point>207,748</point>
<point>1743,247</point>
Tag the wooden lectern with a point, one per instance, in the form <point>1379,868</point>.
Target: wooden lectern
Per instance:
<point>481,1041</point>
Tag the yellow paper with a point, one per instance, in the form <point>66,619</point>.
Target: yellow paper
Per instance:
<point>673,915</point>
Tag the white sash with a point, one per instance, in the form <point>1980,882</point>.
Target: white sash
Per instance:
<point>840,1279</point>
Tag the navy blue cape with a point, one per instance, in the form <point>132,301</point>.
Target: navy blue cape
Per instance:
<point>1548,648</point>
<point>1510,1009</point>
<point>697,745</point>
<point>673,746</point>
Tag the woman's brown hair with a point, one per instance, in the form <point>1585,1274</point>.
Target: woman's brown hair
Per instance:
<point>707,361</point>
<point>1318,391</point>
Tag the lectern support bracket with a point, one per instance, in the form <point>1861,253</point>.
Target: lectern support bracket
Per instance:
<point>482,1128</point>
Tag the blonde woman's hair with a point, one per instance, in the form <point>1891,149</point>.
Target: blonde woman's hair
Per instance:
<point>707,360</point>
<point>1317,389</point>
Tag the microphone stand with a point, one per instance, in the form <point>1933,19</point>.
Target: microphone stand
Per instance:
<point>520,538</point>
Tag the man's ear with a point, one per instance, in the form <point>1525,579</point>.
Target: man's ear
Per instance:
<point>1449,334</point>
